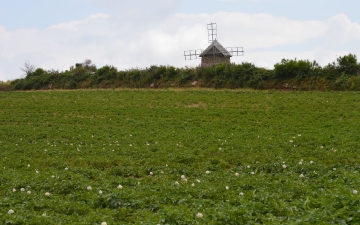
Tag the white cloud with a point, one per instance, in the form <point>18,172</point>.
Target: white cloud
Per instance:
<point>340,30</point>
<point>128,42</point>
<point>74,25</point>
<point>261,30</point>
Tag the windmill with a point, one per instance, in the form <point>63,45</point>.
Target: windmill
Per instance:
<point>215,53</point>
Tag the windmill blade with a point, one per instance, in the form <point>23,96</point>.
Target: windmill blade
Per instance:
<point>236,51</point>
<point>212,32</point>
<point>192,54</point>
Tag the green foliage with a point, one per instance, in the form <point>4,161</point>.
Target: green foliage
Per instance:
<point>344,66</point>
<point>37,72</point>
<point>284,156</point>
<point>171,73</point>
<point>242,73</point>
<point>330,71</point>
<point>105,73</point>
<point>348,64</point>
<point>342,82</point>
<point>206,75</point>
<point>297,69</point>
<point>289,74</point>
<point>185,76</point>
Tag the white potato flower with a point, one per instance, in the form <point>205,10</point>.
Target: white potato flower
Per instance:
<point>199,215</point>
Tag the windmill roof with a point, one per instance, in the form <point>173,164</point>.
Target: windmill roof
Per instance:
<point>215,48</point>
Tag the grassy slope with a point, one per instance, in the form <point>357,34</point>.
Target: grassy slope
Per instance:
<point>90,133</point>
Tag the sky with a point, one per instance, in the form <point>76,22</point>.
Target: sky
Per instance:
<point>127,34</point>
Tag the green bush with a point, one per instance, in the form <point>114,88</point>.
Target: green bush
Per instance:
<point>288,74</point>
<point>105,73</point>
<point>347,64</point>
<point>37,72</point>
<point>186,75</point>
<point>296,69</point>
<point>205,74</point>
<point>342,82</point>
<point>242,73</point>
<point>171,73</point>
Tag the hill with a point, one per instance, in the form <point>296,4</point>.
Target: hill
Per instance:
<point>343,74</point>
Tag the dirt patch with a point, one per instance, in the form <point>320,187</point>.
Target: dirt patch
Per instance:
<point>196,105</point>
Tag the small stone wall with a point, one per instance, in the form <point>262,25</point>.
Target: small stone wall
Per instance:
<point>209,60</point>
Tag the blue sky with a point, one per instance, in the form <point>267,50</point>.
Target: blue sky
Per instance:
<point>54,34</point>
<point>292,9</point>
<point>41,14</point>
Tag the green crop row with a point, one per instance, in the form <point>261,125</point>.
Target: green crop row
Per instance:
<point>194,156</point>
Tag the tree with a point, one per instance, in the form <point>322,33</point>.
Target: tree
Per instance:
<point>28,68</point>
<point>347,64</point>
<point>297,68</point>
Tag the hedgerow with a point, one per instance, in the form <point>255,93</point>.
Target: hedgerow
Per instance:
<point>343,74</point>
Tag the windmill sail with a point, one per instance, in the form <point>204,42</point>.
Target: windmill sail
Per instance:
<point>235,51</point>
<point>192,54</point>
<point>212,32</point>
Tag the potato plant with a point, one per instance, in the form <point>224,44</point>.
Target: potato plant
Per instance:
<point>184,156</point>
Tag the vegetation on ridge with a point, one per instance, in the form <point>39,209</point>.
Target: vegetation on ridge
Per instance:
<point>343,74</point>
